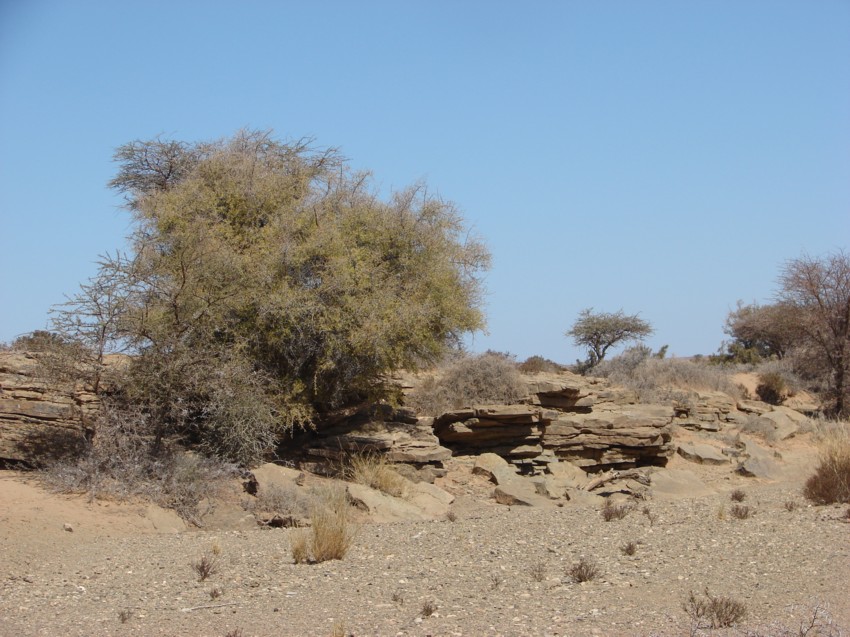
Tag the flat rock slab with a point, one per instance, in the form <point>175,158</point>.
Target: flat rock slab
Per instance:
<point>702,453</point>
<point>677,484</point>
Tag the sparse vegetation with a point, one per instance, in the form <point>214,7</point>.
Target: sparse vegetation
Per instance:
<point>489,378</point>
<point>831,480</point>
<point>429,607</point>
<point>215,593</point>
<point>713,611</point>
<point>791,505</point>
<point>629,548</point>
<point>206,566</point>
<point>599,331</point>
<point>332,531</point>
<point>772,388</point>
<point>738,495</point>
<point>585,570</point>
<point>538,571</point>
<point>613,511</point>
<point>650,515</point>
<point>373,470</point>
<point>740,511</point>
<point>539,364</point>
<point>299,545</point>
<point>124,615</point>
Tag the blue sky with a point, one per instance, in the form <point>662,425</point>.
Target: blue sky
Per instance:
<point>661,157</point>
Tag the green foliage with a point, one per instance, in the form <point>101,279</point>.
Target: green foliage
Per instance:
<point>267,284</point>
<point>602,330</point>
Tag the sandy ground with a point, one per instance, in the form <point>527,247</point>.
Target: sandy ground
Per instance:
<point>495,570</point>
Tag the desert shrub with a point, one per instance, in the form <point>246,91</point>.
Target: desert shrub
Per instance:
<point>429,607</point>
<point>714,611</point>
<point>629,548</point>
<point>122,461</point>
<point>205,566</point>
<point>489,378</point>
<point>373,470</point>
<point>585,570</point>
<point>831,480</point>
<point>771,388</point>
<point>299,545</point>
<point>537,364</point>
<point>740,511</point>
<point>738,495</point>
<point>283,499</point>
<point>613,511</point>
<point>663,380</point>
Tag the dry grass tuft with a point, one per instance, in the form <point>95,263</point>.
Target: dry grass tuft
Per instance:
<point>538,571</point>
<point>125,615</point>
<point>332,528</point>
<point>299,545</point>
<point>428,608</point>
<point>373,470</point>
<point>737,496</point>
<point>831,481</point>
<point>714,611</point>
<point>584,570</point>
<point>791,505</point>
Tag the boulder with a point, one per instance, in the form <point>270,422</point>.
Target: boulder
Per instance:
<point>495,468</point>
<point>382,507</point>
<point>782,422</point>
<point>758,462</point>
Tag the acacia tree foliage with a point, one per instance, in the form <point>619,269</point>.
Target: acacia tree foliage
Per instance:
<point>818,290</point>
<point>268,283</point>
<point>599,331</point>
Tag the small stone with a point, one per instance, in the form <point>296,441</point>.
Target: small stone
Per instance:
<point>68,527</point>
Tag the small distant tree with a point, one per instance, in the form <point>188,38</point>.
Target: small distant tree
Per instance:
<point>818,290</point>
<point>599,331</point>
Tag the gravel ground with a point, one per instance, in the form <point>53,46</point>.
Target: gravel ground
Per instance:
<point>495,570</point>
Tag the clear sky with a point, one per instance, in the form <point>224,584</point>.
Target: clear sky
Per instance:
<point>661,157</point>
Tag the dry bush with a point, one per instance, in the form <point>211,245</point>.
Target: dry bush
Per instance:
<point>123,461</point>
<point>831,480</point>
<point>613,511</point>
<point>815,621</point>
<point>791,505</point>
<point>373,470</point>
<point>738,495</point>
<point>428,608</point>
<point>714,611</point>
<point>489,378</point>
<point>771,388</point>
<point>332,528</point>
<point>539,364</point>
<point>740,511</point>
<point>206,566</point>
<point>584,570</point>
<point>629,548</point>
<point>285,499</point>
<point>538,571</point>
<point>658,380</point>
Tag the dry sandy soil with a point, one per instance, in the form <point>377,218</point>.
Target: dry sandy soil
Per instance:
<point>494,570</point>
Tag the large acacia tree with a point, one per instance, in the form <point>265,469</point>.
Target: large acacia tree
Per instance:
<point>599,331</point>
<point>268,283</point>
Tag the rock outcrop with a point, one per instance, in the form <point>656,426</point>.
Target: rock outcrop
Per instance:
<point>564,418</point>
<point>39,419</point>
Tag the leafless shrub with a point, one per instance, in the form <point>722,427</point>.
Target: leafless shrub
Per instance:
<point>373,470</point>
<point>429,607</point>
<point>613,511</point>
<point>451,516</point>
<point>791,505</point>
<point>486,378</point>
<point>629,548</point>
<point>585,570</point>
<point>815,621</point>
<point>398,598</point>
<point>495,580</point>
<point>216,592</point>
<point>714,611</point>
<point>738,495</point>
<point>831,480</point>
<point>125,615</point>
<point>740,511</point>
<point>236,632</point>
<point>652,517</point>
<point>538,571</point>
<point>206,566</point>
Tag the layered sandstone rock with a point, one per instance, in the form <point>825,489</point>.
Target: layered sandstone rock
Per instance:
<point>39,419</point>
